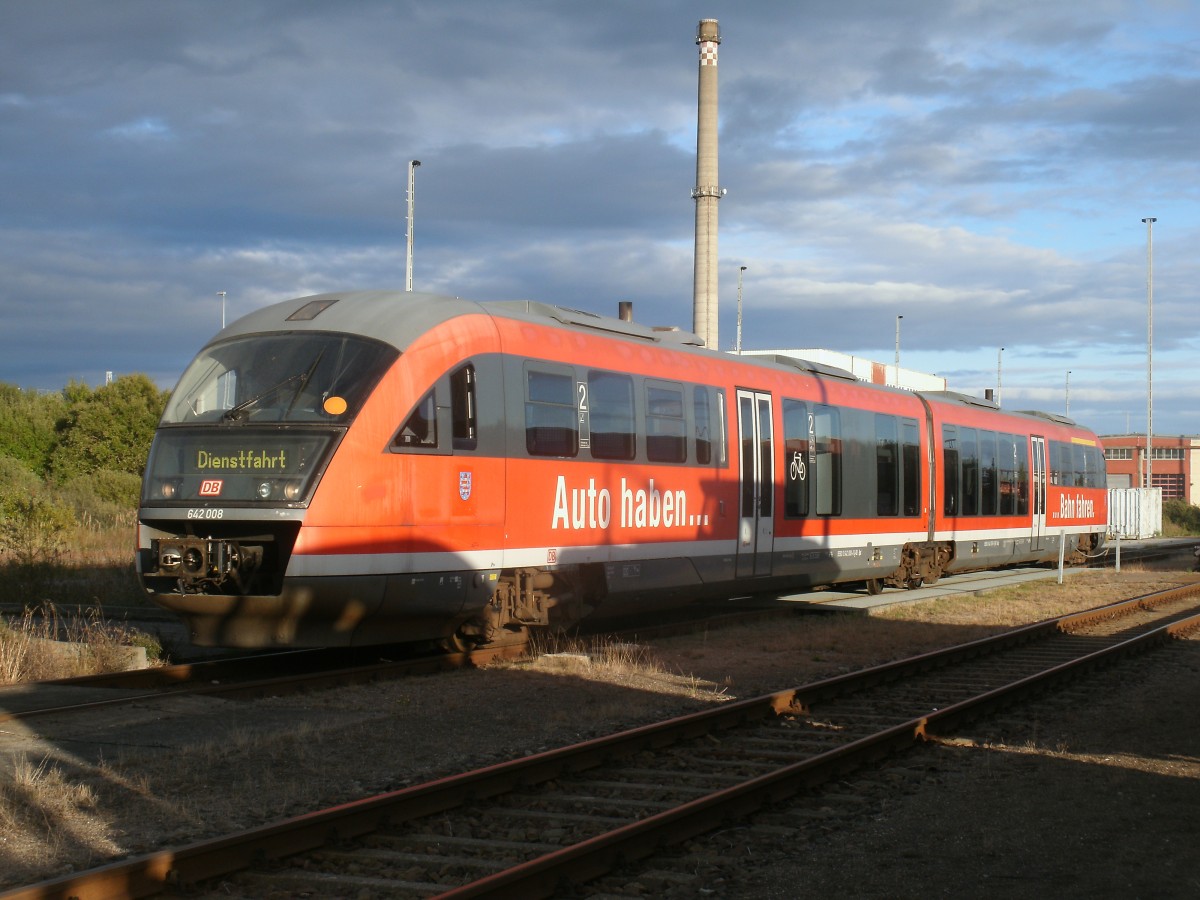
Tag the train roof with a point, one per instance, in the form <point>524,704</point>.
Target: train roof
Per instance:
<point>396,317</point>
<point>967,400</point>
<point>400,317</point>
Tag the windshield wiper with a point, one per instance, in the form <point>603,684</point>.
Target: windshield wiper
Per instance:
<point>239,412</point>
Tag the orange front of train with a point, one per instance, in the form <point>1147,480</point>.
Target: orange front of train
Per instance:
<point>282,502</point>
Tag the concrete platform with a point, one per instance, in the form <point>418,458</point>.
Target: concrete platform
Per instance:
<point>952,585</point>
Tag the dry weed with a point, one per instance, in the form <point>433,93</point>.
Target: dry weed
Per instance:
<point>46,643</point>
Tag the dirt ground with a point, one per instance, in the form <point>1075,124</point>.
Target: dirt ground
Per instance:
<point>1099,799</point>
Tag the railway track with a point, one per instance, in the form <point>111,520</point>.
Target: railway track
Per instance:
<point>242,677</point>
<point>291,671</point>
<point>526,827</point>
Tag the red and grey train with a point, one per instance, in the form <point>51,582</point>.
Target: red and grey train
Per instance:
<point>378,467</point>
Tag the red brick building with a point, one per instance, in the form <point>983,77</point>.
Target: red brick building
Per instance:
<point>1174,460</point>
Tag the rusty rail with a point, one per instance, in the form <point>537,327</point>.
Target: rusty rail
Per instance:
<point>542,875</point>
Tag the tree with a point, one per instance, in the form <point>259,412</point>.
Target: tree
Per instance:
<point>28,425</point>
<point>108,428</point>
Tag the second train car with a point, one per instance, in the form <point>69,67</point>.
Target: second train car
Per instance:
<point>376,467</point>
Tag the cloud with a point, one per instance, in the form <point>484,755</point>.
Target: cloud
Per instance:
<point>979,168</point>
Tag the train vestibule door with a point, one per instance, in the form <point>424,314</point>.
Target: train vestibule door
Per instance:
<point>756,517</point>
<point>1038,476</point>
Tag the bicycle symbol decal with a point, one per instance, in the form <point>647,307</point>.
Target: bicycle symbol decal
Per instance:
<point>797,469</point>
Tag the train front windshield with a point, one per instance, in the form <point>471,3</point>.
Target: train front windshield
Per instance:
<point>298,377</point>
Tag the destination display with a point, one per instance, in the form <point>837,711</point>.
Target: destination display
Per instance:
<point>244,459</point>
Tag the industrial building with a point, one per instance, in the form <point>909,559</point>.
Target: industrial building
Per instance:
<point>1174,460</point>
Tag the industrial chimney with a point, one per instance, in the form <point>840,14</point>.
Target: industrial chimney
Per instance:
<point>707,192</point>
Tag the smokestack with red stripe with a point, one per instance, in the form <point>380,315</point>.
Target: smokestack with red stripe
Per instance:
<point>707,192</point>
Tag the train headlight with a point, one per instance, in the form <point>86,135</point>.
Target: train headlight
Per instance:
<point>168,490</point>
<point>292,490</point>
<point>264,490</point>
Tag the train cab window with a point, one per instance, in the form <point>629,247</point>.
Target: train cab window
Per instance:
<point>796,459</point>
<point>420,428</point>
<point>911,461</point>
<point>610,404</point>
<point>665,426</point>
<point>463,418</point>
<point>827,477</point>
<point>550,416</point>
<point>702,414</point>
<point>887,466</point>
<point>951,494</point>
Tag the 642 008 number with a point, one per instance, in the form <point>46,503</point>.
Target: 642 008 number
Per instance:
<point>206,513</point>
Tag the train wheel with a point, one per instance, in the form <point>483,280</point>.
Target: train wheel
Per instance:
<point>913,583</point>
<point>874,586</point>
<point>459,643</point>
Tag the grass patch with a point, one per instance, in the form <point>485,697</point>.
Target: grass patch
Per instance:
<point>31,646</point>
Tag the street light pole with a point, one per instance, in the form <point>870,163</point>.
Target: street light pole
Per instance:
<point>221,294</point>
<point>738,344</point>
<point>898,318</point>
<point>1149,220</point>
<point>1068,394</point>
<point>999,364</point>
<point>412,169</point>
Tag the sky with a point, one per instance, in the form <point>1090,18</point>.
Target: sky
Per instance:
<point>979,167</point>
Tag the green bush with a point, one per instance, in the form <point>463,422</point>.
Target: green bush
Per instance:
<point>104,499</point>
<point>1180,517</point>
<point>17,479</point>
<point>33,529</point>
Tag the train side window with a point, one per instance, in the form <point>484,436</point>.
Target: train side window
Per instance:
<point>988,470</point>
<point>722,430</point>
<point>1060,463</point>
<point>1085,466</point>
<point>1096,471</point>
<point>612,424</point>
<point>950,474</point>
<point>827,437</point>
<point>911,461</point>
<point>463,418</point>
<point>420,428</point>
<point>796,460</point>
<point>665,426</point>
<point>887,466</point>
<point>766,471</point>
<point>746,456</point>
<point>1008,475</point>
<point>550,421</point>
<point>1022,475</point>
<point>702,424</point>
<point>968,441</point>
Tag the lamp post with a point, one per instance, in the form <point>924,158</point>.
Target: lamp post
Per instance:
<point>898,318</point>
<point>738,344</point>
<point>412,169</point>
<point>1149,220</point>
<point>999,365</point>
<point>221,294</point>
<point>1068,395</point>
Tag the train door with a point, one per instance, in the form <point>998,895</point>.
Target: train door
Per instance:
<point>1038,474</point>
<point>756,519</point>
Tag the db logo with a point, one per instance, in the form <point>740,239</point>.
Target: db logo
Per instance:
<point>211,487</point>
